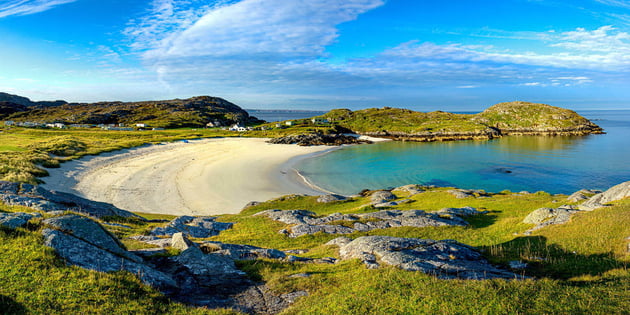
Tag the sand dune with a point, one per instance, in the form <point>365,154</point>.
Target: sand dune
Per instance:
<point>201,177</point>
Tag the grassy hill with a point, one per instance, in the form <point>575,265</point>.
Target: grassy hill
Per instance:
<point>512,118</point>
<point>177,113</point>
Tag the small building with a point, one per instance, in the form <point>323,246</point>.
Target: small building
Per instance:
<point>9,123</point>
<point>237,127</point>
<point>289,122</point>
<point>319,121</point>
<point>141,125</point>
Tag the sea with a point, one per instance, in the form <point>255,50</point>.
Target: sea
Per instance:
<point>562,164</point>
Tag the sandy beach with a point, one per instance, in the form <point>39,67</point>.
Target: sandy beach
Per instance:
<point>200,177</point>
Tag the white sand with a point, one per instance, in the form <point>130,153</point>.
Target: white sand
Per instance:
<point>202,177</point>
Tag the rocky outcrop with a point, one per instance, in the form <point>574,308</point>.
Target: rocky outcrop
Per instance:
<point>330,198</point>
<point>38,198</point>
<point>446,259</point>
<point>305,222</point>
<point>84,243</point>
<point>582,194</point>
<point>465,193</point>
<point>547,216</point>
<point>381,196</point>
<point>614,193</point>
<point>242,252</point>
<point>317,139</point>
<point>410,189</point>
<point>17,219</point>
<point>199,227</point>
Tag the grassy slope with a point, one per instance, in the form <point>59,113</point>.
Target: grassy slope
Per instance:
<point>582,265</point>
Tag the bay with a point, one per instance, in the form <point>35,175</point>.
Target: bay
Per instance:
<point>532,163</point>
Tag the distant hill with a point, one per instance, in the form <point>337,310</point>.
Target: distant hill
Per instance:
<point>193,112</point>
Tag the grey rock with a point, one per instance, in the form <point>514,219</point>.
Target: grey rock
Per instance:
<point>444,259</point>
<point>242,252</point>
<point>614,193</point>
<point>330,198</point>
<point>539,215</point>
<point>83,254</point>
<point>289,216</point>
<point>385,204</point>
<point>181,242</point>
<point>38,198</point>
<point>90,232</point>
<point>305,222</point>
<point>260,300</point>
<point>148,252</point>
<point>296,251</point>
<point>411,189</point>
<point>199,227</point>
<point>300,275</point>
<point>339,241</point>
<point>459,194</point>
<point>578,196</point>
<point>153,240</point>
<point>381,196</point>
<point>17,219</point>
<point>517,264</point>
<point>547,216</point>
<point>465,193</point>
<point>207,266</point>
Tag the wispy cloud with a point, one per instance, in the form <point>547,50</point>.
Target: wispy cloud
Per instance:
<point>617,3</point>
<point>26,7</point>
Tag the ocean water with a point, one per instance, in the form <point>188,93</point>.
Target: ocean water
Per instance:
<point>516,163</point>
<point>271,115</point>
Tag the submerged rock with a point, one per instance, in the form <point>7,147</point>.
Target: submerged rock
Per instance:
<point>444,259</point>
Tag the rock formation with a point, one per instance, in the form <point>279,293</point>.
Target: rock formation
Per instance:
<point>305,222</point>
<point>446,259</point>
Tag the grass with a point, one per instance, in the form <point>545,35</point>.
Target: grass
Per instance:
<point>580,267</point>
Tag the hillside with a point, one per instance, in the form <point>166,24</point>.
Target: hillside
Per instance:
<point>193,112</point>
<point>502,119</point>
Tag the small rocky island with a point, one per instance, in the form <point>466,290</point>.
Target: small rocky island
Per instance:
<point>504,119</point>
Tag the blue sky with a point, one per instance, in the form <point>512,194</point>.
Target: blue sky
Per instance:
<point>320,54</point>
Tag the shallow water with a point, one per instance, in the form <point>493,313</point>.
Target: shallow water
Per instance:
<point>532,163</point>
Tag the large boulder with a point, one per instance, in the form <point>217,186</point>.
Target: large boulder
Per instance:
<point>90,232</point>
<point>444,259</point>
<point>330,198</point>
<point>76,251</point>
<point>614,193</point>
<point>547,216</point>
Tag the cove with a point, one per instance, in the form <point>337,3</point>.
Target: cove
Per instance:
<point>532,163</point>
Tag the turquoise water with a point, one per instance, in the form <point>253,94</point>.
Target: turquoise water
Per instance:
<point>552,164</point>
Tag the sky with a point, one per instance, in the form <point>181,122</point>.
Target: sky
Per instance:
<point>450,55</point>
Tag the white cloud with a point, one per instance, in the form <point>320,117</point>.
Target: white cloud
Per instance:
<point>26,7</point>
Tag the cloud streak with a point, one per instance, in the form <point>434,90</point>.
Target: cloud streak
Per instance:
<point>26,7</point>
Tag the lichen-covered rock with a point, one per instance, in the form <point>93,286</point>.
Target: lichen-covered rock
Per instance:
<point>242,252</point>
<point>444,259</point>
<point>614,193</point>
<point>547,216</point>
<point>17,219</point>
<point>381,196</point>
<point>90,232</point>
<point>200,227</point>
<point>38,198</point>
<point>80,253</point>
<point>181,242</point>
<point>410,189</point>
<point>580,195</point>
<point>339,241</point>
<point>330,198</point>
<point>306,223</point>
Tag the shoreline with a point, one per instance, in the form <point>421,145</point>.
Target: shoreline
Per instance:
<point>197,177</point>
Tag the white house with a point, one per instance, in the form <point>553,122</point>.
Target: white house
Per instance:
<point>289,123</point>
<point>237,127</point>
<point>141,125</point>
<point>319,121</point>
